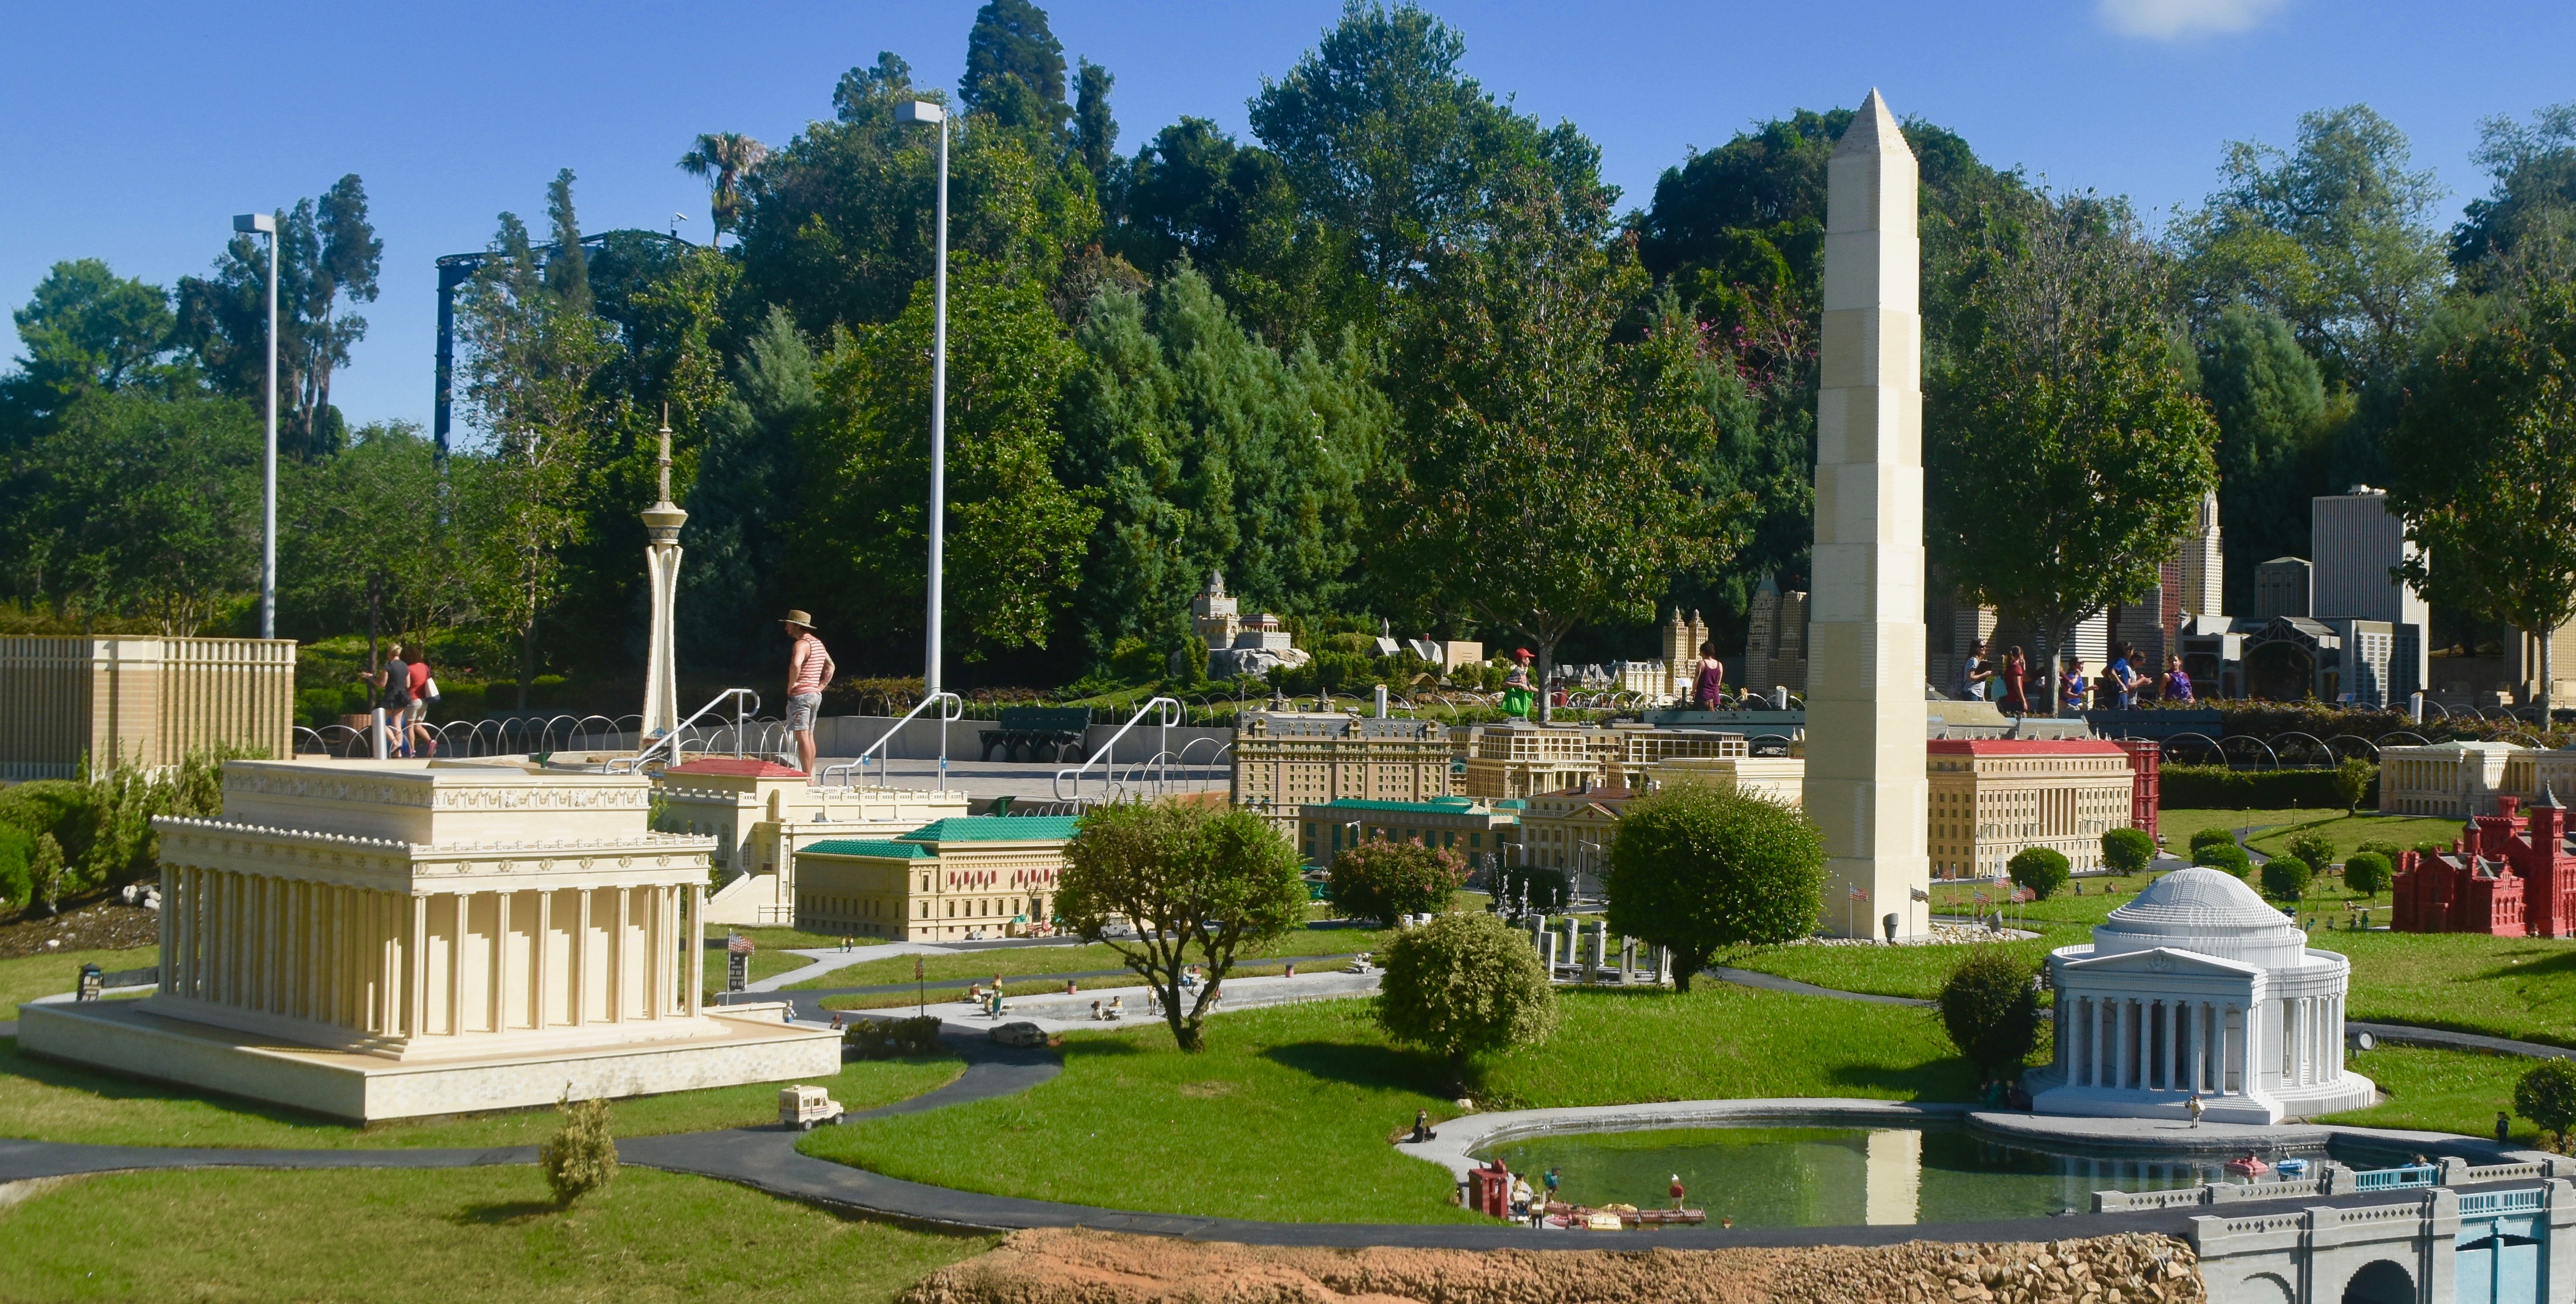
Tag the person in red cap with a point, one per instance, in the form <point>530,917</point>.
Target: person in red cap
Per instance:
<point>1517,694</point>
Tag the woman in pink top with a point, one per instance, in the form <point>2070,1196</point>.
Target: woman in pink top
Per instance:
<point>1712,677</point>
<point>424,742</point>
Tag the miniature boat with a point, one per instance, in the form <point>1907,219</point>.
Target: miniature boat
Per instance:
<point>2291,1168</point>
<point>2249,1166</point>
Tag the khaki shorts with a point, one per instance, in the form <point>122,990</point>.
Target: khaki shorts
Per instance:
<point>800,712</point>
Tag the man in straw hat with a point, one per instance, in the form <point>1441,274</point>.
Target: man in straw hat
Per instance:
<point>809,667</point>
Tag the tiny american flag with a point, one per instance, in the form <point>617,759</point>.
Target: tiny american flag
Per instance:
<point>737,944</point>
<point>1858,894</point>
<point>1982,898</point>
<point>2021,894</point>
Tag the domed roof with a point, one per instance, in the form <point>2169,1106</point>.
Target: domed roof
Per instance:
<point>2206,910</point>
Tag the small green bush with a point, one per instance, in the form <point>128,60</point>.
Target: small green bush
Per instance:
<point>2367,872</point>
<point>1462,985</point>
<point>2314,850</point>
<point>2231,858</point>
<point>1990,1008</point>
<point>2040,869</point>
<point>2286,878</point>
<point>2128,851</point>
<point>1135,661</point>
<point>1384,879</point>
<point>2546,1094</point>
<point>582,1156</point>
<point>45,873</point>
<point>2217,787</point>
<point>885,1038</point>
<point>2207,838</point>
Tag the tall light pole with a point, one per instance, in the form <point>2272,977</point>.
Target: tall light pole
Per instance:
<point>266,224</point>
<point>930,112</point>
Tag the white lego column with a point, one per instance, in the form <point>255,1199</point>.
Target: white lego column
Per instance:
<point>662,522</point>
<point>1865,672</point>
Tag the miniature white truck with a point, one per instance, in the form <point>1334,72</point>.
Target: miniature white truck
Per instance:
<point>802,1107</point>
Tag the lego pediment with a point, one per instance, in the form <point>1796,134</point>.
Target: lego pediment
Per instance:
<point>2163,960</point>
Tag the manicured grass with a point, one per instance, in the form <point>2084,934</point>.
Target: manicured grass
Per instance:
<point>1916,971</point>
<point>2177,826</point>
<point>1299,1101</point>
<point>2348,832</point>
<point>764,964</point>
<point>2518,987</point>
<point>440,1236</point>
<point>49,1100</point>
<point>1126,982</point>
<point>2440,1091</point>
<point>1079,958</point>
<point>2101,894</point>
<point>29,976</point>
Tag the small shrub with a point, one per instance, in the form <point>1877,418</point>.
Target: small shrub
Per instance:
<point>2313,849</point>
<point>2207,838</point>
<point>2367,872</point>
<point>1990,1008</point>
<point>582,1156</point>
<point>2231,858</point>
<point>45,874</point>
<point>2389,849</point>
<point>2217,787</point>
<point>2286,878</point>
<point>1384,879</point>
<point>2355,780</point>
<point>2546,1094</point>
<point>2128,851</point>
<point>884,1038</point>
<point>1465,984</point>
<point>1700,870</point>
<point>1135,661</point>
<point>2040,869</point>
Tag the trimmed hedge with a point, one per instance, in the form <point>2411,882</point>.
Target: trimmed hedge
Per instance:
<point>2216,787</point>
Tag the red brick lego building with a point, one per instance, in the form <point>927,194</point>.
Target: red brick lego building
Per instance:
<point>2494,880</point>
<point>2146,780</point>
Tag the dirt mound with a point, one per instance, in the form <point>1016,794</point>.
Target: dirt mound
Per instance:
<point>106,926</point>
<point>1079,1267</point>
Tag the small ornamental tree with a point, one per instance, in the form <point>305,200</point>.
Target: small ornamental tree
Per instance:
<point>2315,849</point>
<point>2546,1094</point>
<point>2367,872</point>
<point>2388,849</point>
<point>2128,851</point>
<point>2039,869</point>
<point>2231,858</point>
<point>2286,878</point>
<point>1195,883</point>
<point>45,875</point>
<point>1384,880</point>
<point>2354,780</point>
<point>581,1157</point>
<point>1990,1008</point>
<point>1698,870</point>
<point>1462,985</point>
<point>2207,838</point>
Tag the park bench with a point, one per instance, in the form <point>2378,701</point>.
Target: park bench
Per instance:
<point>1058,729</point>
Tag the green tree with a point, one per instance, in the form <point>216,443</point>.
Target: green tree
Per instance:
<point>335,555</point>
<point>2228,857</point>
<point>2269,401</point>
<point>1015,533</point>
<point>1462,985</point>
<point>1548,464</point>
<point>1990,1007</point>
<point>581,1157</point>
<point>1197,883</point>
<point>2128,851</point>
<point>1210,450</point>
<point>2335,236</point>
<point>1014,66</point>
<point>1700,870</point>
<point>45,874</point>
<point>2040,869</point>
<point>2315,850</point>
<point>2546,1094</point>
<point>533,348</point>
<point>1386,881</point>
<point>1095,131</point>
<point>2203,839</point>
<point>2483,451</point>
<point>2069,415</point>
<point>327,251</point>
<point>742,555</point>
<point>2367,872</point>
<point>2524,230</point>
<point>85,328</point>
<point>2286,878</point>
<point>722,157</point>
<point>1192,194</point>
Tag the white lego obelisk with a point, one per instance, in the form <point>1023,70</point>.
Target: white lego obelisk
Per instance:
<point>662,522</point>
<point>1865,672</point>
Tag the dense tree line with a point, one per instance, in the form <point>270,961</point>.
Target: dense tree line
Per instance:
<point>1399,355</point>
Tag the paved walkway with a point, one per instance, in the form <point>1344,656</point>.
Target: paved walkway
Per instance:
<point>1775,983</point>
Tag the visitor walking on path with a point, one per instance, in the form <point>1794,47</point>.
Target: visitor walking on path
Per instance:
<point>2177,685</point>
<point>424,690</point>
<point>2016,679</point>
<point>2070,691</point>
<point>809,667</point>
<point>392,684</point>
<point>1711,692</point>
<point>1975,673</point>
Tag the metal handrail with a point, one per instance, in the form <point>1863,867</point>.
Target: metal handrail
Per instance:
<point>1169,712</point>
<point>955,710</point>
<point>746,704</point>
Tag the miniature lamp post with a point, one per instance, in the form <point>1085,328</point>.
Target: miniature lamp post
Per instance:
<point>266,224</point>
<point>930,113</point>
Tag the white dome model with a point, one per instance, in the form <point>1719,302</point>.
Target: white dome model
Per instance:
<point>2209,911</point>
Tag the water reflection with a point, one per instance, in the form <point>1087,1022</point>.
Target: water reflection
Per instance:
<point>1830,1176</point>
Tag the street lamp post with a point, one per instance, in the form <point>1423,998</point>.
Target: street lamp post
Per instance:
<point>931,113</point>
<point>266,224</point>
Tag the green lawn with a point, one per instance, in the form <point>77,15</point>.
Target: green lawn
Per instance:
<point>2348,832</point>
<point>1012,961</point>
<point>1299,1101</point>
<point>2440,1091</point>
<point>30,976</point>
<point>52,1101</point>
<point>439,1236</point>
<point>2518,987</point>
<point>1915,971</point>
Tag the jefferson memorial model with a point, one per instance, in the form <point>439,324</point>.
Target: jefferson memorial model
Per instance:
<point>2198,986</point>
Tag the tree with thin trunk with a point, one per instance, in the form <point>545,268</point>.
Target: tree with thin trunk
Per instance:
<point>1547,457</point>
<point>1700,870</point>
<point>1182,884</point>
<point>2065,451</point>
<point>2485,472</point>
<point>722,157</point>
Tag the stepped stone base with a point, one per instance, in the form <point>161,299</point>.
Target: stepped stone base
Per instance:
<point>127,1038</point>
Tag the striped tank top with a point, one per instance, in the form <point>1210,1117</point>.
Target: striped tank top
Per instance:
<point>809,672</point>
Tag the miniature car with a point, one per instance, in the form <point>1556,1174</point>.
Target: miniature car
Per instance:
<point>802,1107</point>
<point>1020,1034</point>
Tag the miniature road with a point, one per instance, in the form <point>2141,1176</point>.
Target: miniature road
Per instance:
<point>808,1002</point>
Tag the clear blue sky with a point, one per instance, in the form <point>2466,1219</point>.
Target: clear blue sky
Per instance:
<point>134,131</point>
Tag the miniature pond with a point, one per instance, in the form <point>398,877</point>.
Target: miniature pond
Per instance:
<point>1825,1176</point>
